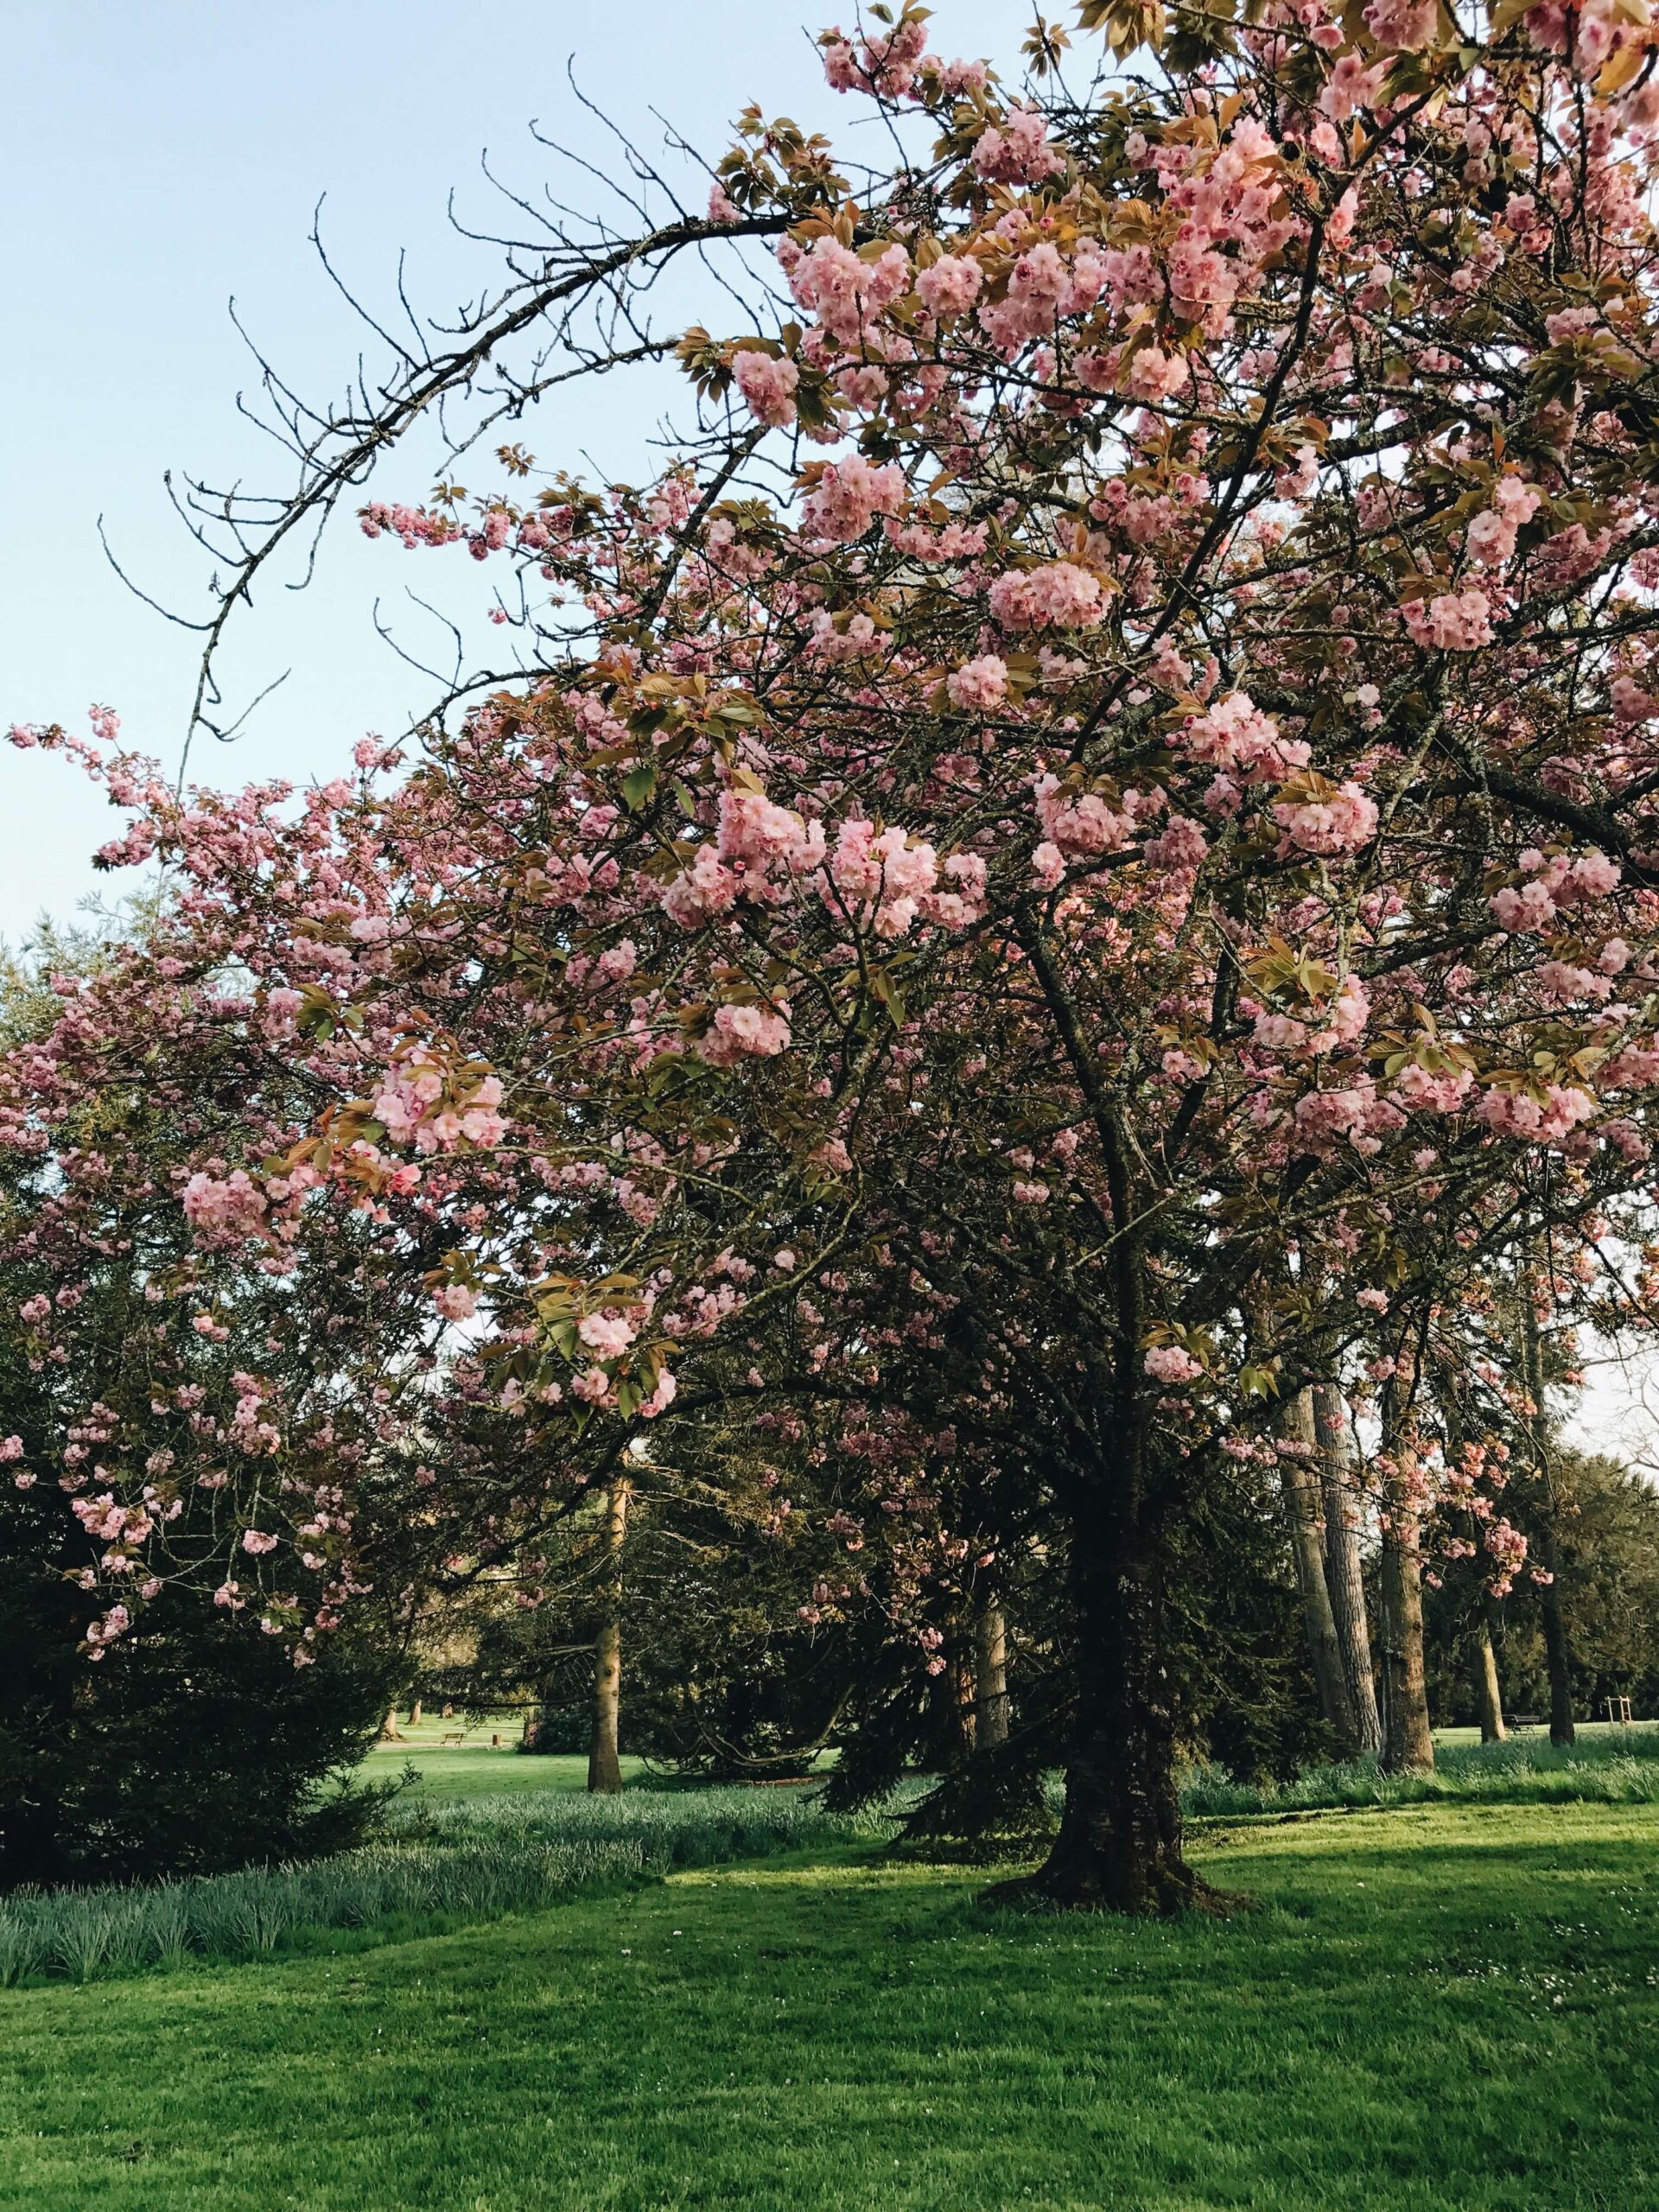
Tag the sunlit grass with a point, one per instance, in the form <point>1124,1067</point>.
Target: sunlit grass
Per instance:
<point>1436,2007</point>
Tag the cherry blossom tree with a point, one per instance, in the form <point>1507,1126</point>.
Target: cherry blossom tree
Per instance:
<point>1083,858</point>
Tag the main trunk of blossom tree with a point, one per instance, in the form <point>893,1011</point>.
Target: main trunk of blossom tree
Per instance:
<point>1119,1847</point>
<point>1407,1742</point>
<point>1343,1575</point>
<point>1304,1512</point>
<point>604,1759</point>
<point>1488,1697</point>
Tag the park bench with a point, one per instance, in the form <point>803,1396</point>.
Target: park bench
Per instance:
<point>1519,1723</point>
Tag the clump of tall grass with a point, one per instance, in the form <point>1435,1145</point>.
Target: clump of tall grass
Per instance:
<point>1619,1767</point>
<point>472,1861</point>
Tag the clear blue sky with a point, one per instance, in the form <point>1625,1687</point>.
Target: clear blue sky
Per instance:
<point>157,160</point>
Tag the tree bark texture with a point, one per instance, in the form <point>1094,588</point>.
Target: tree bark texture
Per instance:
<point>604,1761</point>
<point>1119,1847</point>
<point>1343,1575</point>
<point>1488,1696</point>
<point>1304,1512</point>
<point>1407,1743</point>
<point>990,1675</point>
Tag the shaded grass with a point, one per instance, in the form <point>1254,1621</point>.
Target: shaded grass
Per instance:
<point>475,1769</point>
<point>451,1860</point>
<point>1445,2006</point>
<point>1612,1766</point>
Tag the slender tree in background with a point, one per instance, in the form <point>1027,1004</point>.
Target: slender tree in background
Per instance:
<point>1304,1511</point>
<point>1084,849</point>
<point>1489,1697</point>
<point>1536,1412</point>
<point>1342,1502</point>
<point>604,1763</point>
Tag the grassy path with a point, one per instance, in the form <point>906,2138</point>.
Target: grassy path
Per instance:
<point>1444,2007</point>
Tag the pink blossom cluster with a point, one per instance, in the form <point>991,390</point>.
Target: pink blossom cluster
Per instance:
<point>737,1032</point>
<point>849,495</point>
<point>951,285</point>
<point>1019,152</point>
<point>980,685</point>
<point>768,384</point>
<point>420,1103</point>
<point>225,1207</point>
<point>1169,1364</point>
<point>1043,290</point>
<point>1453,621</point>
<point>1058,596</point>
<point>1080,825</point>
<point>1552,884</point>
<point>1547,1117</point>
<point>879,876</point>
<point>1340,823</point>
<point>846,292</point>
<point>1492,533</point>
<point>1236,736</point>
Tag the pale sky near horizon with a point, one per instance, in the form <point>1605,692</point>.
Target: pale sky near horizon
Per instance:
<point>159,159</point>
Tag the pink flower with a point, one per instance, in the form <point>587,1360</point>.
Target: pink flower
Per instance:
<point>1528,906</point>
<point>1019,152</point>
<point>1169,1364</point>
<point>740,1033</point>
<point>1061,596</point>
<point>1402,26</point>
<point>1154,376</point>
<point>1341,824</point>
<point>849,496</point>
<point>224,1209</point>
<point>846,292</point>
<point>980,684</point>
<point>1454,622</point>
<point>768,384</point>
<point>455,1301</point>
<point>256,1541</point>
<point>608,1334</point>
<point>951,285</point>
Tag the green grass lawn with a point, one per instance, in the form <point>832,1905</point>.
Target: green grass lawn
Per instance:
<point>1447,2005</point>
<point>475,1769</point>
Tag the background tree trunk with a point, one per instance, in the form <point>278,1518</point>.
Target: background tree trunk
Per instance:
<point>1557,1656</point>
<point>1407,1743</point>
<point>604,1760</point>
<point>990,1675</point>
<point>1344,1577</point>
<point>1487,1694</point>
<point>1298,1474</point>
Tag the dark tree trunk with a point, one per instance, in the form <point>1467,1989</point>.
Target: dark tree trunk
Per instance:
<point>1557,1656</point>
<point>990,1675</point>
<point>604,1760</point>
<point>1342,1568</point>
<point>1488,1696</point>
<point>1304,1512</point>
<point>1119,1847</point>
<point>1407,1742</point>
